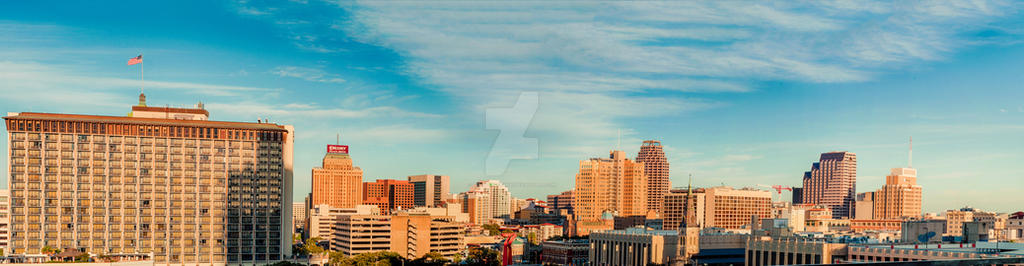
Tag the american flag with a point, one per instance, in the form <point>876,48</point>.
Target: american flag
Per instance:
<point>135,60</point>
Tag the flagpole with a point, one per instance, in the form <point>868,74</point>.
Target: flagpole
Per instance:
<point>142,73</point>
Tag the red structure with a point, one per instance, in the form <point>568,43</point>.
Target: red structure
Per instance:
<point>506,248</point>
<point>388,194</point>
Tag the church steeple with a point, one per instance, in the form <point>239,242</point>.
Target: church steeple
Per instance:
<point>691,206</point>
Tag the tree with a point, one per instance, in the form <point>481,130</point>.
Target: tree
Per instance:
<point>312,246</point>
<point>492,229</point>
<point>482,256</point>
<point>48,250</point>
<point>338,258</point>
<point>457,258</point>
<point>377,258</point>
<point>431,259</point>
<point>84,257</point>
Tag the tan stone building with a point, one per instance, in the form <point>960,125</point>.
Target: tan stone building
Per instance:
<point>615,184</point>
<point>900,197</point>
<point>162,181</point>
<point>633,246</point>
<point>337,182</point>
<point>732,208</point>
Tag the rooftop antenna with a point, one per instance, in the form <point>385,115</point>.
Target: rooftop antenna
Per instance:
<point>911,156</point>
<point>337,139</point>
<point>618,144</point>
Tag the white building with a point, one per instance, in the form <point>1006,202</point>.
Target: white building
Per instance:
<point>500,199</point>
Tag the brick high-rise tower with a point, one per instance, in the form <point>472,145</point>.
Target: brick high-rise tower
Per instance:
<point>656,168</point>
<point>833,182</point>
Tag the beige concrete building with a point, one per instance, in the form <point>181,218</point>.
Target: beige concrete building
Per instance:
<point>337,182</point>
<point>956,218</point>
<point>656,167</point>
<point>358,234</point>
<point>162,181</point>
<point>298,216</point>
<point>409,234</point>
<point>414,235</point>
<point>430,190</point>
<point>496,199</point>
<point>633,246</point>
<point>899,198</point>
<point>911,230</point>
<point>615,184</point>
<point>732,208</point>
<point>323,217</point>
<point>832,182</point>
<point>792,251</point>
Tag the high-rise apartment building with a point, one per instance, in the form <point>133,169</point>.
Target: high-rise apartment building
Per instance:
<point>615,184</point>
<point>162,181</point>
<point>832,182</point>
<point>499,202</point>
<point>900,197</point>
<point>561,203</point>
<point>430,190</point>
<point>388,194</point>
<point>652,155</point>
<point>337,182</point>
<point>477,205</point>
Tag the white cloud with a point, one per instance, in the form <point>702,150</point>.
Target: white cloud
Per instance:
<point>309,74</point>
<point>301,111</point>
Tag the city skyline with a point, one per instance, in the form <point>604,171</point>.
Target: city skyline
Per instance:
<point>381,82</point>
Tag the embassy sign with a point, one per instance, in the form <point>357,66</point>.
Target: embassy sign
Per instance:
<point>337,148</point>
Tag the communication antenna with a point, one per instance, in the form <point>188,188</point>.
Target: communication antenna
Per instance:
<point>337,139</point>
<point>911,155</point>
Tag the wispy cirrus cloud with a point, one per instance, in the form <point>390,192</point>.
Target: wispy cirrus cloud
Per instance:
<point>306,73</point>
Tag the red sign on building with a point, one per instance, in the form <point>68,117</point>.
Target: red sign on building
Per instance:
<point>337,148</point>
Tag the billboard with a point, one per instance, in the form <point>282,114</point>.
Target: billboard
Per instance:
<point>337,148</point>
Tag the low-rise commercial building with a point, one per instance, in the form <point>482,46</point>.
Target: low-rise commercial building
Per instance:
<point>323,217</point>
<point>573,252</point>
<point>923,231</point>
<point>792,251</point>
<point>633,246</point>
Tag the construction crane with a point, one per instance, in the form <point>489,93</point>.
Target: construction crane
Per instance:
<point>778,189</point>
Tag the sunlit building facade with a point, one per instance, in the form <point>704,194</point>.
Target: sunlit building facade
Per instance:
<point>614,184</point>
<point>652,155</point>
<point>164,182</point>
<point>832,182</point>
<point>337,183</point>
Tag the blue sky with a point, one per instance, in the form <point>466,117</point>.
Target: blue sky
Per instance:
<point>740,93</point>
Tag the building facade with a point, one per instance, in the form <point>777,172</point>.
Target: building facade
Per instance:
<point>900,197</point>
<point>786,251</point>
<point>414,235</point>
<point>497,202</point>
<point>162,181</point>
<point>615,184</point>
<point>358,234</point>
<point>832,182</point>
<point>573,252</point>
<point>677,206</point>
<point>430,190</point>
<point>652,155</point>
<point>561,203</point>
<point>732,208</point>
<point>633,246</point>
<point>5,220</point>
<point>337,182</point>
<point>388,195</point>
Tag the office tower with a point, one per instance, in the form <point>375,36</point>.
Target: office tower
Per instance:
<point>477,204</point>
<point>429,190</point>
<point>499,204</point>
<point>388,194</point>
<point>298,216</point>
<point>162,181</point>
<point>900,197</point>
<point>864,208</point>
<point>832,182</point>
<point>5,221</point>
<point>732,208</point>
<point>614,184</point>
<point>358,234</point>
<point>798,196</point>
<point>680,204</point>
<point>561,203</point>
<point>337,182</point>
<point>656,167</point>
